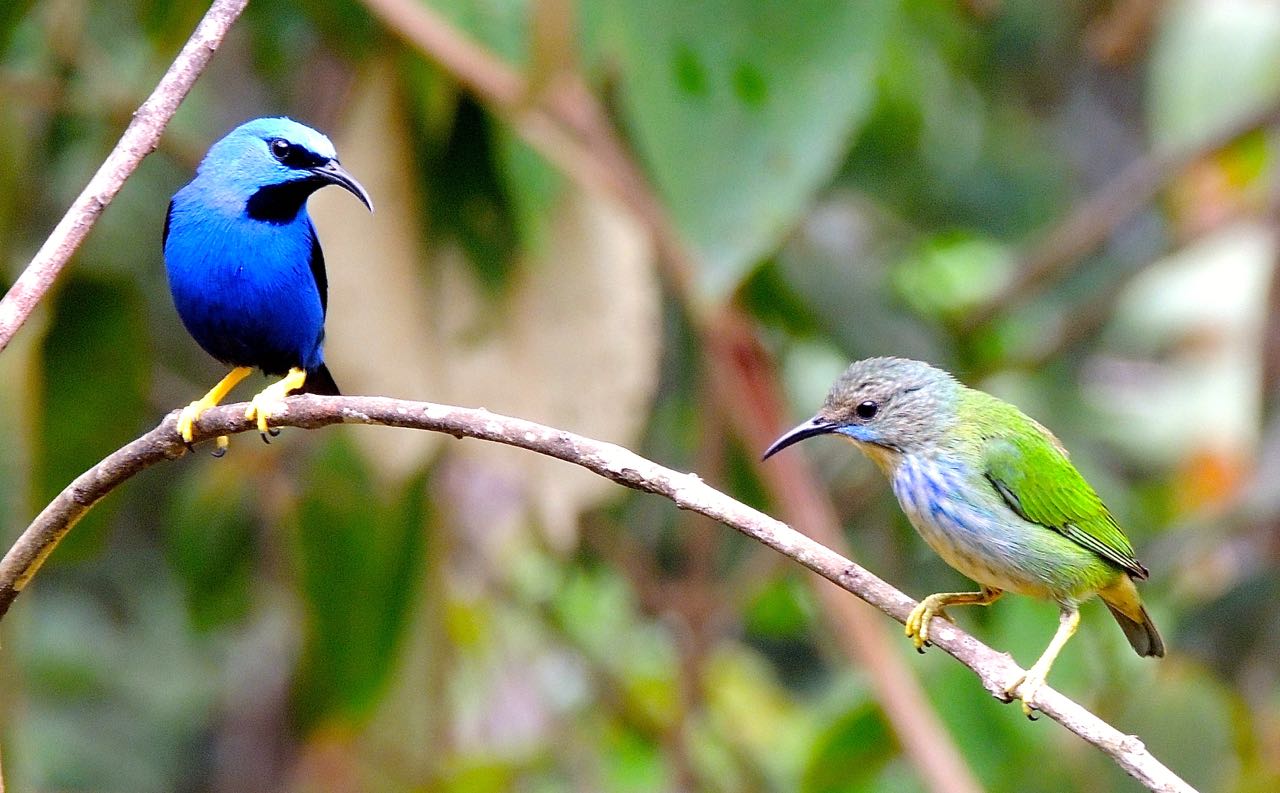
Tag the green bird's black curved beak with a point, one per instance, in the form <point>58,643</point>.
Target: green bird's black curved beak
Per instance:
<point>333,173</point>
<point>814,426</point>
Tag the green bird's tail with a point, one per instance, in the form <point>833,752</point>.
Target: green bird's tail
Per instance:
<point>1123,603</point>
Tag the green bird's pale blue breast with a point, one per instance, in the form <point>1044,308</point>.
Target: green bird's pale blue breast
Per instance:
<point>999,500</point>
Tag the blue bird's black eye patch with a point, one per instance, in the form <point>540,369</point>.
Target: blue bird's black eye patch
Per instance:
<point>294,155</point>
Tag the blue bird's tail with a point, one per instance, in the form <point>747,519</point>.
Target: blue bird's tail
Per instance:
<point>320,382</point>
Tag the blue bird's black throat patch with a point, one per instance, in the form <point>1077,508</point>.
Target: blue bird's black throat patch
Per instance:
<point>279,203</point>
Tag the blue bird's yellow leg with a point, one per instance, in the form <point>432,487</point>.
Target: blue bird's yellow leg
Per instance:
<point>191,413</point>
<point>1031,682</point>
<point>271,399</point>
<point>917,627</point>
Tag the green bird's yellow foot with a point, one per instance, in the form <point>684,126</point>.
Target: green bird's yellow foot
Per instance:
<point>191,413</point>
<point>917,625</point>
<point>1027,687</point>
<point>271,401</point>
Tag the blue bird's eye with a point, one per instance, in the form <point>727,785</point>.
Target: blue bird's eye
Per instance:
<point>867,410</point>
<point>280,149</point>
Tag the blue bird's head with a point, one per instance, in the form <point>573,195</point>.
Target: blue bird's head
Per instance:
<point>270,166</point>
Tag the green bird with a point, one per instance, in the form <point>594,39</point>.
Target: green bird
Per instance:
<point>994,494</point>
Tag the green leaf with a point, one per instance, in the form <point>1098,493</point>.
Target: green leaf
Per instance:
<point>96,378</point>
<point>467,198</point>
<point>850,754</point>
<point>742,110</point>
<point>211,543</point>
<point>360,553</point>
<point>782,609</point>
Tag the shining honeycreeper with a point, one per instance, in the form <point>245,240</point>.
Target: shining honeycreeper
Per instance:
<point>994,494</point>
<point>245,266</point>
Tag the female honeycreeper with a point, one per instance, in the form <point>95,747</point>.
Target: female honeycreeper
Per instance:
<point>245,266</point>
<point>994,494</point>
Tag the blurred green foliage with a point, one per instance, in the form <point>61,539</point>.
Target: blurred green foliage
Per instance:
<point>360,609</point>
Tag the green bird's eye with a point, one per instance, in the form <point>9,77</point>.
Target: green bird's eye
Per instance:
<point>867,410</point>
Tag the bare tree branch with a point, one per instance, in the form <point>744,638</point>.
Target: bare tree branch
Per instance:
<point>139,140</point>
<point>995,670</point>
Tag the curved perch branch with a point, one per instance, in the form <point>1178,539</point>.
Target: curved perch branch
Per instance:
<point>995,670</point>
<point>138,140</point>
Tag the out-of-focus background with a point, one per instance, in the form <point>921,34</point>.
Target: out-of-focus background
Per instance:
<point>671,231</point>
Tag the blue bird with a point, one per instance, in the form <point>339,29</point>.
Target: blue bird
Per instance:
<point>245,266</point>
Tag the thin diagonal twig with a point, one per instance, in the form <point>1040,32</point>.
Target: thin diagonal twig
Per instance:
<point>139,140</point>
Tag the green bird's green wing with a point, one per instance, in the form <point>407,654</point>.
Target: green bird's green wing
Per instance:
<point>1031,471</point>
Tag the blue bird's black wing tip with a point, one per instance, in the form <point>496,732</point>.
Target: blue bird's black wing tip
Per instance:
<point>320,382</point>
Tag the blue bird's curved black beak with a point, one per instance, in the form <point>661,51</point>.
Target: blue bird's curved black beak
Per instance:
<point>333,173</point>
<point>814,426</point>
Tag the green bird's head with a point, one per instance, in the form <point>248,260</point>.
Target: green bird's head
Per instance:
<point>887,406</point>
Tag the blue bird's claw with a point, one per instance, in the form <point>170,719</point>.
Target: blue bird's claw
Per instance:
<point>265,439</point>
<point>271,400</point>
<point>273,431</point>
<point>219,452</point>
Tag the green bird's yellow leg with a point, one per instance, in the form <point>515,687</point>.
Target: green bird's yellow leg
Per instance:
<point>1031,682</point>
<point>917,628</point>
<point>191,413</point>
<point>271,399</point>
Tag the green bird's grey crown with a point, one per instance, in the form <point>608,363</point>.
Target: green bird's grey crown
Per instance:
<point>894,403</point>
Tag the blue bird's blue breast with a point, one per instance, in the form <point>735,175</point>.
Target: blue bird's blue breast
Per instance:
<point>244,288</point>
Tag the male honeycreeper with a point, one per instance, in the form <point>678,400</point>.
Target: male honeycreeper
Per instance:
<point>245,266</point>
<point>994,494</point>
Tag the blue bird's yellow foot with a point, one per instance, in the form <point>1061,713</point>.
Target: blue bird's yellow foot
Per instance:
<point>917,626</point>
<point>271,400</point>
<point>1028,685</point>
<point>191,413</point>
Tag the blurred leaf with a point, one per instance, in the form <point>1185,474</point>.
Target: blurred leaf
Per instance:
<point>11,13</point>
<point>782,608</point>
<point>360,553</point>
<point>849,755</point>
<point>633,763</point>
<point>96,376</point>
<point>533,186</point>
<point>467,202</point>
<point>211,543</point>
<point>743,109</point>
<point>950,273</point>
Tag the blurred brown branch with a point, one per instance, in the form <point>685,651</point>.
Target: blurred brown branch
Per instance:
<point>139,140</point>
<point>1099,215</point>
<point>569,126</point>
<point>995,670</point>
